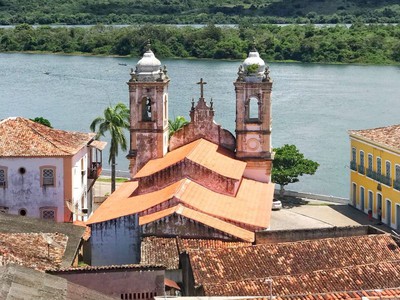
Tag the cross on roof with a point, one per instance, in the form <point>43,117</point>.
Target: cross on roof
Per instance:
<point>202,83</point>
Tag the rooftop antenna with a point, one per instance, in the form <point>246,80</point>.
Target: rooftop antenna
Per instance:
<point>50,242</point>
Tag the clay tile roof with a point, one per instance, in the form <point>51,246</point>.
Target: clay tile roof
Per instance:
<point>201,152</point>
<point>386,136</point>
<point>200,244</point>
<point>289,260</point>
<point>201,218</point>
<point>88,269</point>
<point>32,250</point>
<point>162,251</point>
<point>337,281</point>
<point>239,209</point>
<point>22,137</point>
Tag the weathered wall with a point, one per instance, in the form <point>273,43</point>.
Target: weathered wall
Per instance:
<point>177,225</point>
<point>187,169</point>
<point>79,182</point>
<point>24,191</point>
<point>278,236</point>
<point>115,242</point>
<point>117,282</point>
<point>202,125</point>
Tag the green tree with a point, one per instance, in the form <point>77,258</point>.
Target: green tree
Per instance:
<point>175,125</point>
<point>114,121</point>
<point>42,121</point>
<point>289,164</point>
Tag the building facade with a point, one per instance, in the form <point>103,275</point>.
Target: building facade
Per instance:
<point>375,173</point>
<point>47,173</point>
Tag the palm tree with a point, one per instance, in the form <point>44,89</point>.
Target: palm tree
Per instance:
<point>114,121</point>
<point>175,125</point>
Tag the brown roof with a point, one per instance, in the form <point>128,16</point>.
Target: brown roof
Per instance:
<point>165,251</point>
<point>202,218</point>
<point>23,137</point>
<point>32,249</point>
<point>157,250</point>
<point>241,271</point>
<point>198,203</point>
<point>386,136</point>
<point>201,152</point>
<point>372,276</point>
<point>87,269</point>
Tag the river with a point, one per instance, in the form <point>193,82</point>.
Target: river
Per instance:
<point>313,105</point>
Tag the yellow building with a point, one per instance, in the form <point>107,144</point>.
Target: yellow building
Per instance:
<point>375,172</point>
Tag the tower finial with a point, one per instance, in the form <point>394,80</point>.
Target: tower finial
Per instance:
<point>254,49</point>
<point>148,45</point>
<point>202,83</point>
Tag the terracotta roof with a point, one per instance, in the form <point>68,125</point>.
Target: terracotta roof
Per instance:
<point>205,219</point>
<point>171,283</point>
<point>98,144</point>
<point>371,276</point>
<point>201,152</point>
<point>32,249</point>
<point>387,136</point>
<point>201,244</point>
<point>157,250</point>
<point>250,206</point>
<point>22,137</point>
<point>165,251</point>
<point>224,266</point>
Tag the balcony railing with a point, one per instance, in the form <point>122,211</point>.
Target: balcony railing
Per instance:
<point>353,165</point>
<point>370,173</point>
<point>361,169</point>
<point>383,179</point>
<point>396,184</point>
<point>95,170</point>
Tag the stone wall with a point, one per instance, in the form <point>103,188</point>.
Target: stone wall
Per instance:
<point>279,236</point>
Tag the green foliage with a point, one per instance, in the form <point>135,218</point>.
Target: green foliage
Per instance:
<point>194,12</point>
<point>42,121</point>
<point>114,121</point>
<point>369,44</point>
<point>289,164</point>
<point>175,125</point>
<point>252,68</point>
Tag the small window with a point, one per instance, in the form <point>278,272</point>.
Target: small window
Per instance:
<point>252,110</point>
<point>361,158</point>
<point>388,166</point>
<point>47,175</point>
<point>48,213</point>
<point>3,209</point>
<point>378,165</point>
<point>3,177</point>
<point>146,109</point>
<point>370,161</point>
<point>22,212</point>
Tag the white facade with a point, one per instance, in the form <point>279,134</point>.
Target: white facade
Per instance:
<point>26,193</point>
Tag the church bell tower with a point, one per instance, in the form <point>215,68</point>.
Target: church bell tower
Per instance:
<point>148,101</point>
<point>253,117</point>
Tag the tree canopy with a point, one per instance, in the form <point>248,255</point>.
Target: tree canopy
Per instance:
<point>42,121</point>
<point>176,124</point>
<point>114,121</point>
<point>289,164</point>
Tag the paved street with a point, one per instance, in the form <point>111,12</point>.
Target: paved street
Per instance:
<point>315,214</point>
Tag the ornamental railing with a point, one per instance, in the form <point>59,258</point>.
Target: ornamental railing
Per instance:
<point>396,184</point>
<point>361,169</point>
<point>353,165</point>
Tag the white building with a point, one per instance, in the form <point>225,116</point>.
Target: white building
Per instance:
<point>47,173</point>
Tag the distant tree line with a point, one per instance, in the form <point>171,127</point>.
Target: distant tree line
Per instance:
<point>197,12</point>
<point>371,44</point>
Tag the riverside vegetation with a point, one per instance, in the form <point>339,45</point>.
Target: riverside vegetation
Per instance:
<point>369,44</point>
<point>197,12</point>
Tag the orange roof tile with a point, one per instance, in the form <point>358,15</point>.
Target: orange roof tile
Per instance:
<point>201,152</point>
<point>250,206</point>
<point>23,137</point>
<point>387,136</point>
<point>205,219</point>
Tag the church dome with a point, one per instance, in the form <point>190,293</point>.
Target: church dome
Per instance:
<point>252,60</point>
<point>149,63</point>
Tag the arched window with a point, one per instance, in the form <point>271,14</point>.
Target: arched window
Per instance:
<point>146,109</point>
<point>252,110</point>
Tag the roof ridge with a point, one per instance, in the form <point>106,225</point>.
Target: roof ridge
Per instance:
<point>29,123</point>
<point>198,141</point>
